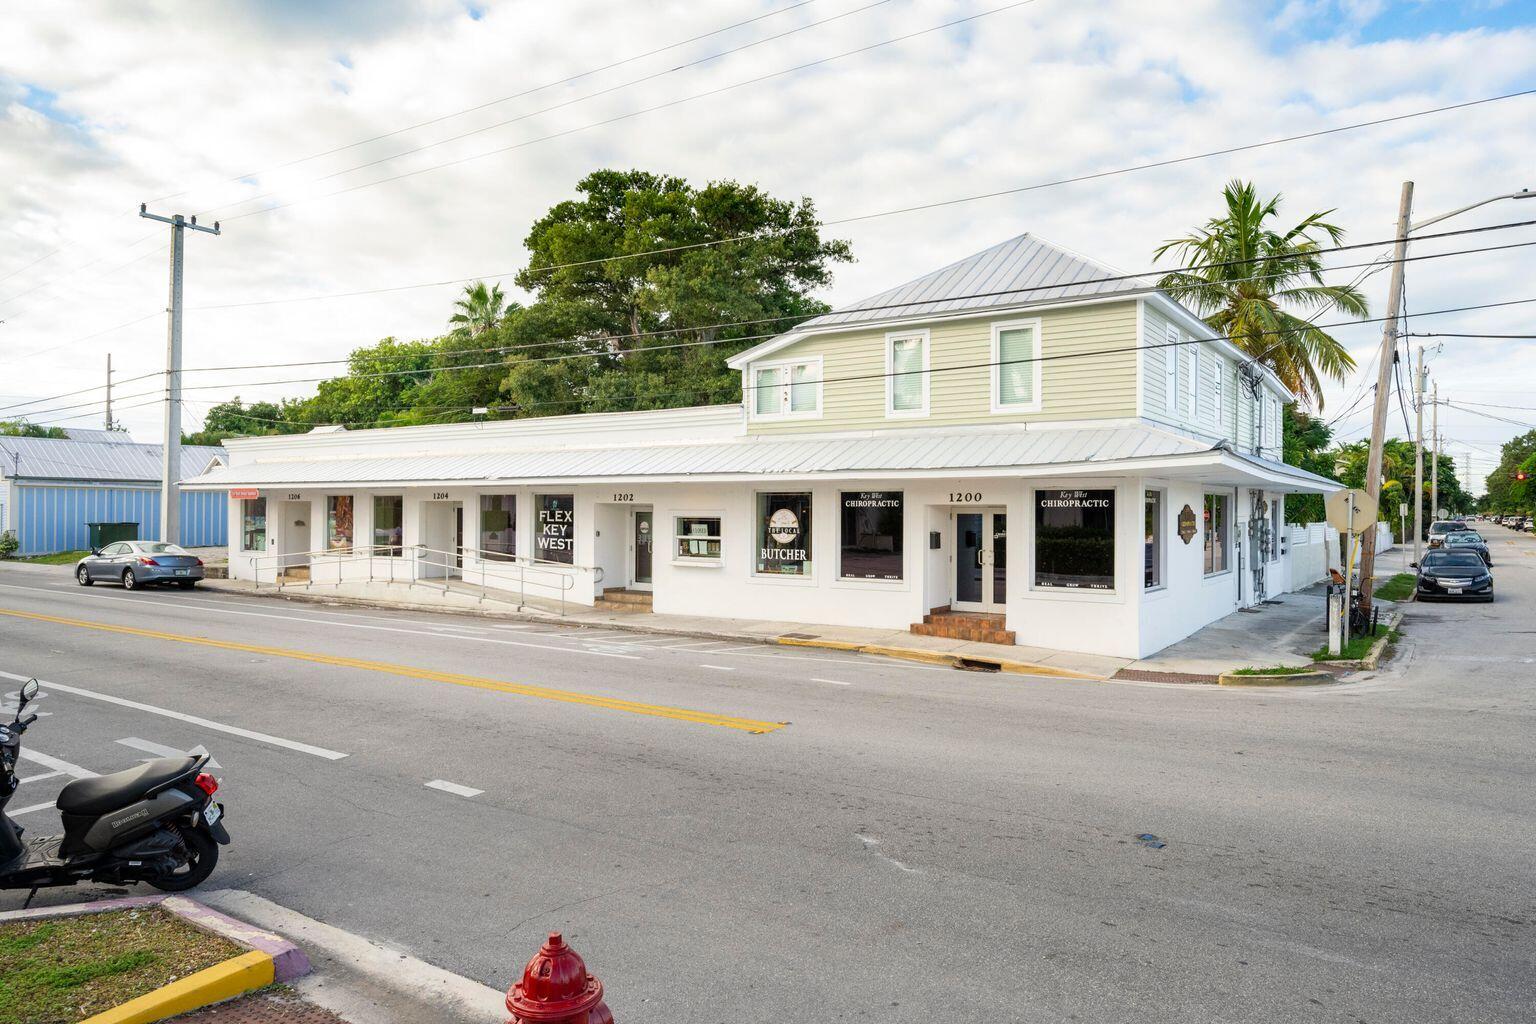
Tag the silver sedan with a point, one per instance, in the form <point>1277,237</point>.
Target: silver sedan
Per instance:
<point>134,563</point>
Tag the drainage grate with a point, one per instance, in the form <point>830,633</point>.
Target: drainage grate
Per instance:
<point>977,665</point>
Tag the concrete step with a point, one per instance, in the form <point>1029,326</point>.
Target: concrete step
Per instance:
<point>625,600</point>
<point>975,627</point>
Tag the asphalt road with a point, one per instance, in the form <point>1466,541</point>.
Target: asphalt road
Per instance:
<point>913,844</point>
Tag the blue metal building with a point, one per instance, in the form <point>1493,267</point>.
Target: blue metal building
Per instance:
<point>52,489</point>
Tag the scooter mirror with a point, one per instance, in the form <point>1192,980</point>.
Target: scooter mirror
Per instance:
<point>28,690</point>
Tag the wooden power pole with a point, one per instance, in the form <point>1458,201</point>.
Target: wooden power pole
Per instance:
<point>1383,392</point>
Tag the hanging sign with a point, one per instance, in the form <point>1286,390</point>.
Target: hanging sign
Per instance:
<point>1188,524</point>
<point>243,493</point>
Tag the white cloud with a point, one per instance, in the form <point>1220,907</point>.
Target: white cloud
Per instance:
<point>147,102</point>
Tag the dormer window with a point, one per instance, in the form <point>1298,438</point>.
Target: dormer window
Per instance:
<point>785,390</point>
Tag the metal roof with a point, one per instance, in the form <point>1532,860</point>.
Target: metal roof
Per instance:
<point>1022,270</point>
<point>97,434</point>
<point>892,451</point>
<point>49,458</point>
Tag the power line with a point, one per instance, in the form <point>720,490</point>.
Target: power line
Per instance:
<point>648,110</point>
<point>438,119</point>
<point>560,105</point>
<point>504,99</point>
<point>858,377</point>
<point>720,341</point>
<point>1489,415</point>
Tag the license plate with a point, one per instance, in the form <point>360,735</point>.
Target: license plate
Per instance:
<point>212,813</point>
<point>183,572</point>
<point>1453,590</point>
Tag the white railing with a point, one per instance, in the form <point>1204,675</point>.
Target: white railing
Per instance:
<point>417,565</point>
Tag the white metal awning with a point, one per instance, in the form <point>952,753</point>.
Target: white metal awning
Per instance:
<point>883,454</point>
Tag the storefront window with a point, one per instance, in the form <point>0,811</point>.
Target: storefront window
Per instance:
<point>698,538</point>
<point>338,523</point>
<point>872,530</point>
<point>253,524</point>
<point>498,527</point>
<point>1075,539</point>
<point>784,534</point>
<point>555,528</point>
<point>1216,516</point>
<point>1153,528</point>
<point>388,520</point>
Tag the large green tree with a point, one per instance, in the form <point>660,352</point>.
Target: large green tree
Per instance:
<point>21,428</point>
<point>645,284</point>
<point>237,419</point>
<point>1263,287</point>
<point>1506,492</point>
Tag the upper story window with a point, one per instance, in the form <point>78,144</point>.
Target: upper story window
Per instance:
<point>906,370</point>
<point>1171,369</point>
<point>786,389</point>
<point>1016,366</point>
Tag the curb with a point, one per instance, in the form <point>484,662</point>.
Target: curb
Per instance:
<point>953,660</point>
<point>245,973</point>
<point>1304,677</point>
<point>268,958</point>
<point>1373,657</point>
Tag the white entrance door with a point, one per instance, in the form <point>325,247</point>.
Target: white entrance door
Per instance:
<point>642,546</point>
<point>981,560</point>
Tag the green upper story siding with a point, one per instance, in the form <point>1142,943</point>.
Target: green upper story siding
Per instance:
<point>1100,383</point>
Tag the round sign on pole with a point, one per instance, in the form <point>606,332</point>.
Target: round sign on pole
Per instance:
<point>1442,513</point>
<point>1350,510</point>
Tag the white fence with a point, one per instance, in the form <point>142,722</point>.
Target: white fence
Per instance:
<point>1314,549</point>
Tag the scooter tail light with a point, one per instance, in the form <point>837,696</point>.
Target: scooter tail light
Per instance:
<point>145,560</point>
<point>207,783</point>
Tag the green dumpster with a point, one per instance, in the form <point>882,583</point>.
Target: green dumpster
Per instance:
<point>103,534</point>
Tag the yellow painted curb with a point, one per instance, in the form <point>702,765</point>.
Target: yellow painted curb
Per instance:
<point>244,973</point>
<point>1025,668</point>
<point>831,645</point>
<point>909,654</point>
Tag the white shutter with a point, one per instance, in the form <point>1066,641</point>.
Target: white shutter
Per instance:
<point>1218,394</point>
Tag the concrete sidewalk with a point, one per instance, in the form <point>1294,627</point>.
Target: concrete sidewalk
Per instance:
<point>1283,633</point>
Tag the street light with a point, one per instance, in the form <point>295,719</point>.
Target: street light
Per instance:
<point>1405,228</point>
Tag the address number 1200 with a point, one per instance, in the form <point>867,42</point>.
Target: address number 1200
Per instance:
<point>958,497</point>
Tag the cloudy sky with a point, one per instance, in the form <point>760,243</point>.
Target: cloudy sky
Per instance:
<point>253,114</point>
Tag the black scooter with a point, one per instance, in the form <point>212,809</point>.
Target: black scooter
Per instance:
<point>157,823</point>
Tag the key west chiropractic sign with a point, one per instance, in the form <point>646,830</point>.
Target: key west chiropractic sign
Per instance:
<point>1075,539</point>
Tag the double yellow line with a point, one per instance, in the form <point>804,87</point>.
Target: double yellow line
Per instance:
<point>410,672</point>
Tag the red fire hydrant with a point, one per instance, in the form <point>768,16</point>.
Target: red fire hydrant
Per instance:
<point>557,989</point>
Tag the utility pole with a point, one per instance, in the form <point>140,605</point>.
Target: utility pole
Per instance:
<point>1418,459</point>
<point>1383,390</point>
<point>109,391</point>
<point>170,461</point>
<point>1434,462</point>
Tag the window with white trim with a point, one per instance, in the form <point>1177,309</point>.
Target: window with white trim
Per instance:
<point>906,368</point>
<point>698,538</point>
<point>1016,366</point>
<point>1171,369</point>
<point>786,389</point>
<point>1192,399</point>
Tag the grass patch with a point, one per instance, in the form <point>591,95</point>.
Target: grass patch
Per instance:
<point>1398,588</point>
<point>1357,648</point>
<point>1273,670</point>
<point>57,558</point>
<point>63,970</point>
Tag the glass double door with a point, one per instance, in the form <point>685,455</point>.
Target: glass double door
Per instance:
<point>981,560</point>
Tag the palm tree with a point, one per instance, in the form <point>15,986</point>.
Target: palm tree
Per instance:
<point>479,310</point>
<point>1249,277</point>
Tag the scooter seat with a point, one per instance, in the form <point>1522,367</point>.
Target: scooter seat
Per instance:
<point>109,792</point>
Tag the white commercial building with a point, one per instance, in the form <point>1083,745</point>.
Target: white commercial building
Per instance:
<point>1022,447</point>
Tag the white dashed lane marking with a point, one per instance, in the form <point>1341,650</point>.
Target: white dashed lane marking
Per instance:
<point>454,788</point>
<point>719,668</point>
